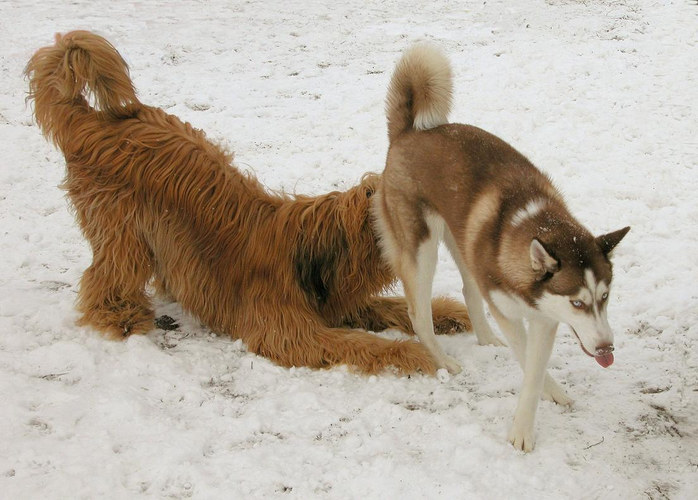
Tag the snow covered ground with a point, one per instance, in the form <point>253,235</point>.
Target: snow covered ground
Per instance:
<point>599,93</point>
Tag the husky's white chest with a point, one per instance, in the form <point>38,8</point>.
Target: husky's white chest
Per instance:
<point>509,305</point>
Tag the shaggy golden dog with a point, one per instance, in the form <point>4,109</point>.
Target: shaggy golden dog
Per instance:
<point>158,202</point>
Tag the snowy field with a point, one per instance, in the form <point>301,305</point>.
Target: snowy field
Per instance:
<point>601,94</point>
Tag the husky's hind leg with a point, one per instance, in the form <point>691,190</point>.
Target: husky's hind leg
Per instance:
<point>417,274</point>
<point>410,242</point>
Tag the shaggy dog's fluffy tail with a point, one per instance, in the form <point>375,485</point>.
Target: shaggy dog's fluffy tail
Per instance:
<point>78,67</point>
<point>419,95</point>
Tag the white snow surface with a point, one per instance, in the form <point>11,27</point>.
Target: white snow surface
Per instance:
<point>601,94</point>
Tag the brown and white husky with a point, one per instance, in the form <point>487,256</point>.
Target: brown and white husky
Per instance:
<point>514,241</point>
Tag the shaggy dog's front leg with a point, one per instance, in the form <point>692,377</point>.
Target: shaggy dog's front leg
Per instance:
<point>292,339</point>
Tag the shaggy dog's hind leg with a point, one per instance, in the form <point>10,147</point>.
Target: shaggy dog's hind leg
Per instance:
<point>112,295</point>
<point>385,313</point>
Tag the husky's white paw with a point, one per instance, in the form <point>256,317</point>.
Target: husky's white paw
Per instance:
<point>521,437</point>
<point>442,375</point>
<point>490,340</point>
<point>450,364</point>
<point>552,391</point>
<point>559,397</point>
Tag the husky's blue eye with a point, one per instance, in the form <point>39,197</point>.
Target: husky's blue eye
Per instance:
<point>604,296</point>
<point>577,304</point>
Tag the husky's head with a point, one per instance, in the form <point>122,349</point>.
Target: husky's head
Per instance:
<point>574,274</point>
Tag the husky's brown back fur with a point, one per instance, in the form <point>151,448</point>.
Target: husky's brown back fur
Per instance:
<point>156,199</point>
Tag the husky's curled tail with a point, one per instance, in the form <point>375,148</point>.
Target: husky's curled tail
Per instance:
<point>419,95</point>
<point>63,76</point>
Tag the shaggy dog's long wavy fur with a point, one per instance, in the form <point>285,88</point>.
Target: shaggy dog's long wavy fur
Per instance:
<point>290,276</point>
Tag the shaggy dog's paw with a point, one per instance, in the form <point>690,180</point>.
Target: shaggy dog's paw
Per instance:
<point>449,326</point>
<point>166,323</point>
<point>449,316</point>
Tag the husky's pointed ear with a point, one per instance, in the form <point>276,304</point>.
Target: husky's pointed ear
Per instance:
<point>542,262</point>
<point>607,242</point>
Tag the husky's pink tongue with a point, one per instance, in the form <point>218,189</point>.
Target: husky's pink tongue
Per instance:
<point>604,360</point>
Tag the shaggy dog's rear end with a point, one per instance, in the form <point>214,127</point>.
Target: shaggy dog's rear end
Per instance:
<point>157,200</point>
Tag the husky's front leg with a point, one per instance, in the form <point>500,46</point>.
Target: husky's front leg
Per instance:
<point>539,345</point>
<point>515,334</point>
